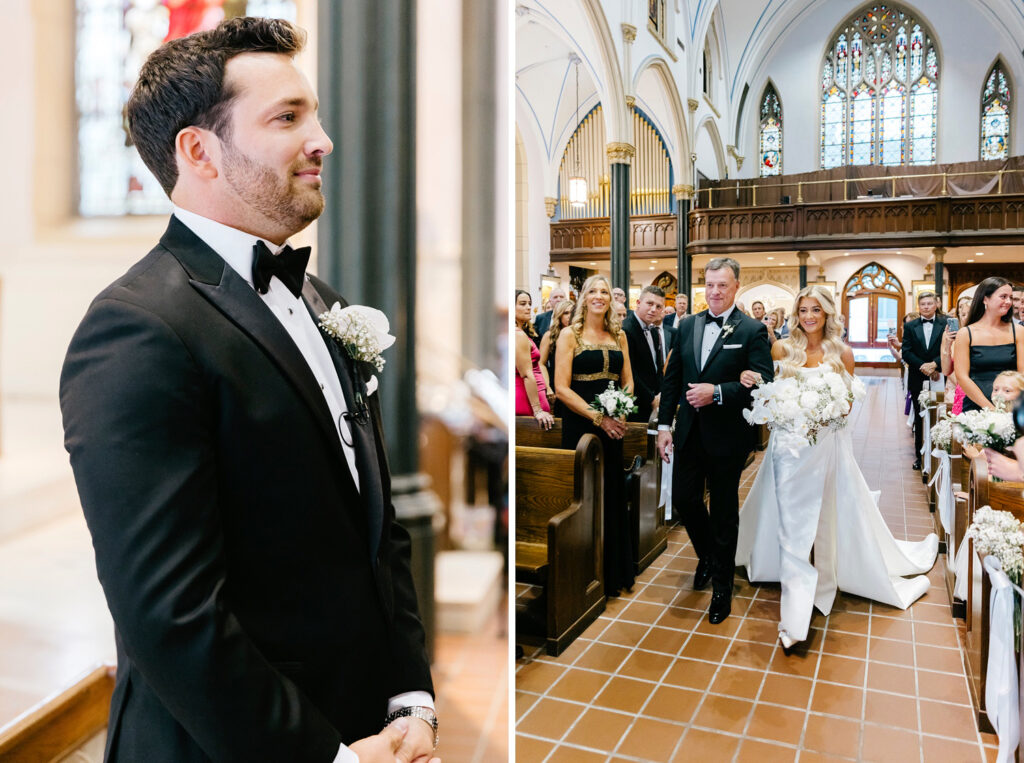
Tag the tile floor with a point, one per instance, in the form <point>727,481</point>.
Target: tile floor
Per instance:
<point>651,680</point>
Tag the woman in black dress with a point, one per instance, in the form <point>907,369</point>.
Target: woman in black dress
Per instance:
<point>988,344</point>
<point>592,351</point>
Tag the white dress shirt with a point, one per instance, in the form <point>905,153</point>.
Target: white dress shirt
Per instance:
<point>711,332</point>
<point>927,328</point>
<point>236,248</point>
<point>648,328</point>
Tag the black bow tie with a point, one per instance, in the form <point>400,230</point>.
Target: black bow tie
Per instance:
<point>927,320</point>
<point>289,266</point>
<point>709,318</point>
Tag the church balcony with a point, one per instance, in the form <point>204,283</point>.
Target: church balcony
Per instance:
<point>973,203</point>
<point>650,235</point>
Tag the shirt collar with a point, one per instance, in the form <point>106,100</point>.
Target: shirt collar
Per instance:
<point>725,315</point>
<point>234,246</point>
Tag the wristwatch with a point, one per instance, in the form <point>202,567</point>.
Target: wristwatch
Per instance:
<point>416,711</point>
<point>716,396</point>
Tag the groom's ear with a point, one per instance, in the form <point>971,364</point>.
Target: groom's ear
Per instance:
<point>197,152</point>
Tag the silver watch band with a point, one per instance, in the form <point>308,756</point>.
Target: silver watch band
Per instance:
<point>415,711</point>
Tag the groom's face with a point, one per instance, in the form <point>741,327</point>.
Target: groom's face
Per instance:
<point>273,153</point>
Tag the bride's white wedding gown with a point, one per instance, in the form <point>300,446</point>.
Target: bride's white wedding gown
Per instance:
<point>820,499</point>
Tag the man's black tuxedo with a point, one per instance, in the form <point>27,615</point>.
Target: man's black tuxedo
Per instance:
<point>916,353</point>
<point>711,443</point>
<point>253,620</point>
<point>646,374</point>
<point>670,320</point>
<point>541,324</point>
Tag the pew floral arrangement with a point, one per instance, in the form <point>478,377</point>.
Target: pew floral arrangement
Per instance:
<point>614,402</point>
<point>924,400</point>
<point>1001,534</point>
<point>985,429</point>
<point>942,434</point>
<point>799,408</point>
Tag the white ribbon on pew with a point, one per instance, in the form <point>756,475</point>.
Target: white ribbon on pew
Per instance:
<point>926,447</point>
<point>1002,700</point>
<point>960,562</point>
<point>666,486</point>
<point>944,490</point>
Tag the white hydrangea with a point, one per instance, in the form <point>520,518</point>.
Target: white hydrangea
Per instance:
<point>1001,534</point>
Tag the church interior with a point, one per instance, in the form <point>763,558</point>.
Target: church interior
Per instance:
<point>873,149</point>
<point>413,197</point>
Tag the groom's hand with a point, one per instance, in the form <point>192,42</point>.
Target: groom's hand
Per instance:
<point>385,746</point>
<point>665,445</point>
<point>418,745</point>
<point>700,395</point>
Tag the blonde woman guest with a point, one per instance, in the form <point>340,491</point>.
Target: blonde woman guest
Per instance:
<point>589,354</point>
<point>531,386</point>
<point>963,309</point>
<point>560,318</point>
<point>817,496</point>
<point>988,344</point>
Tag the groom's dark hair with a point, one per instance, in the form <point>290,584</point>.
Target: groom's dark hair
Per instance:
<point>182,85</point>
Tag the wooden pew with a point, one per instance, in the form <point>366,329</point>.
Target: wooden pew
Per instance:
<point>559,541</point>
<point>63,725</point>
<point>1001,496</point>
<point>933,462</point>
<point>643,482</point>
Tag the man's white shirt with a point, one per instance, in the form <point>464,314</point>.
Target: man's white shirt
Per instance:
<point>235,247</point>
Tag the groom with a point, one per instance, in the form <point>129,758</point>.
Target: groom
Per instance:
<point>229,456</point>
<point>712,440</point>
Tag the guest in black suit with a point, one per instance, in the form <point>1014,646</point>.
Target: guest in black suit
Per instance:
<point>682,304</point>
<point>712,440</point>
<point>921,350</point>
<point>542,322</point>
<point>646,350</point>
<point>228,453</point>
<point>1018,303</point>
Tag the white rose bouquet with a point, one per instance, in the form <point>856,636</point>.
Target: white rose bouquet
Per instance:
<point>985,429</point>
<point>942,434</point>
<point>799,408</point>
<point>614,402</point>
<point>1001,534</point>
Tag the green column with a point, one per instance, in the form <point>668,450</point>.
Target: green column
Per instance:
<point>620,155</point>
<point>684,265</point>
<point>802,257</point>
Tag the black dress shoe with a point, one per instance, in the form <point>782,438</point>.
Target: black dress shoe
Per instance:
<point>721,607</point>
<point>917,465</point>
<point>702,576</point>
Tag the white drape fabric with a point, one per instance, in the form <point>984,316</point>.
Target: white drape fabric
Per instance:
<point>926,447</point>
<point>944,501</point>
<point>1002,701</point>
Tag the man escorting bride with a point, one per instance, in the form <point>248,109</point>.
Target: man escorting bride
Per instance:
<point>808,498</point>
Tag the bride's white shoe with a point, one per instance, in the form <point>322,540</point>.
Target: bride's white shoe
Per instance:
<point>785,640</point>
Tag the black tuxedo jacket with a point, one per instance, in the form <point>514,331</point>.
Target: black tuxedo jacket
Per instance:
<point>541,324</point>
<point>723,430</point>
<point>916,353</point>
<point>252,617</point>
<point>646,376</point>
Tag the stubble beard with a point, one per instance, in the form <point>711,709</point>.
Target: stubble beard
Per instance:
<point>280,200</point>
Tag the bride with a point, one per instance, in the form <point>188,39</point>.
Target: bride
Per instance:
<point>812,500</point>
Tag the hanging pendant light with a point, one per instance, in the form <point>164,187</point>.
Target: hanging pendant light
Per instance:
<point>577,183</point>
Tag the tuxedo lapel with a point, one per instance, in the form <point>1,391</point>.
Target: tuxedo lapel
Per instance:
<point>364,443</point>
<point>734,320</point>
<point>698,338</point>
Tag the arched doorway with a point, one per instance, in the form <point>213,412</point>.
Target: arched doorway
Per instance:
<point>873,304</point>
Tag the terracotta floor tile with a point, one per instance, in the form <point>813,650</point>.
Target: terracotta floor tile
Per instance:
<point>549,718</point>
<point>725,629</point>
<point>932,613</point>
<point>852,622</point>
<point>538,676</point>
<point>691,599</point>
<point>690,673</point>
<point>666,640</point>
<point>649,666</point>
<point>651,740</point>
<point>532,750</point>
<point>818,757</point>
<point>705,648</point>
<point>681,619</point>
<point>946,687</point>
<point>786,690</point>
<point>886,744</point>
<point>937,658</point>
<point>761,631</point>
<point>895,652</point>
<point>702,745</point>
<point>942,719</point>
<point>672,704</point>
<point>625,694</point>
<point>723,714</point>
<point>845,644</point>
<point>563,754</point>
<point>737,682</point>
<point>764,610</point>
<point>578,685</point>
<point>776,724</point>
<point>604,657</point>
<point>934,634</point>
<point>624,634</point>
<point>846,602</point>
<point>948,751</point>
<point>833,736</point>
<point>837,700</point>
<point>753,751</point>
<point>599,728</point>
<point>641,612</point>
<point>795,664</point>
<point>745,654</point>
<point>890,710</point>
<point>524,702</point>
<point>842,670</point>
<point>888,627</point>
<point>891,678</point>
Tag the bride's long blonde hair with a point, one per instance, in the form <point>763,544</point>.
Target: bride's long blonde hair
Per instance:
<point>795,346</point>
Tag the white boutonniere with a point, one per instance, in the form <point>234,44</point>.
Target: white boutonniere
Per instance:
<point>727,329</point>
<point>361,330</point>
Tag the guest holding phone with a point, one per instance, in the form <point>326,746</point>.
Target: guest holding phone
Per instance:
<point>988,344</point>
<point>963,309</point>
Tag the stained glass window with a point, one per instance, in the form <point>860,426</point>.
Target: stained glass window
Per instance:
<point>113,39</point>
<point>995,114</point>
<point>771,133</point>
<point>881,72</point>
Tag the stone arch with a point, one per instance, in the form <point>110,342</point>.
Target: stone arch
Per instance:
<point>680,153</point>
<point>709,124</point>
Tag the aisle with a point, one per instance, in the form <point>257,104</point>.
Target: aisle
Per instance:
<point>651,680</point>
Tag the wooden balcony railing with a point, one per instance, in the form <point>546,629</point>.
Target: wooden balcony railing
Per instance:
<point>591,237</point>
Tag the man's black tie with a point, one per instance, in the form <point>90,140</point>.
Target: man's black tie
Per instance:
<point>289,266</point>
<point>927,320</point>
<point>709,318</point>
<point>659,354</point>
